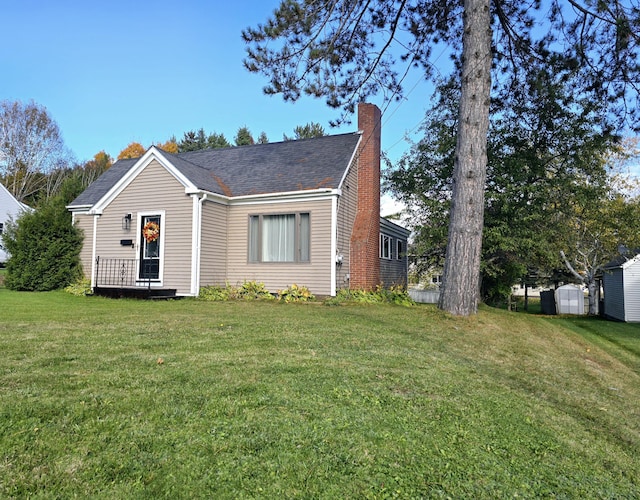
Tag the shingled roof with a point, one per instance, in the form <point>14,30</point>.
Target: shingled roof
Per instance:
<point>277,167</point>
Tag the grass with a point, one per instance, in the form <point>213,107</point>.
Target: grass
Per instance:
<point>109,398</point>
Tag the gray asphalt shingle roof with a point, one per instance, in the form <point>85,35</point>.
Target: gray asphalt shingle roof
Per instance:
<point>249,170</point>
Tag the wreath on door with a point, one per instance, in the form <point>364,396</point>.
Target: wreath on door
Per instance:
<point>151,231</point>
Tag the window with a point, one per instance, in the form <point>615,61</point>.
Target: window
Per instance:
<point>400,252</point>
<point>385,247</point>
<point>279,238</point>
<point>1,227</point>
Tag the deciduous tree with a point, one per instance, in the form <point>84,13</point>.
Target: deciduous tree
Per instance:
<point>133,150</point>
<point>170,146</point>
<point>31,148</point>
<point>597,232</point>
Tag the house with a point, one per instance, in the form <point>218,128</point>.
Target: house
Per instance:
<point>10,209</point>
<point>621,284</point>
<point>304,212</point>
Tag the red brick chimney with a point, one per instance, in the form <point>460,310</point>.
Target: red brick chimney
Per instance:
<point>365,259</point>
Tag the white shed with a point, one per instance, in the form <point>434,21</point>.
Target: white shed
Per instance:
<point>570,299</point>
<point>621,282</point>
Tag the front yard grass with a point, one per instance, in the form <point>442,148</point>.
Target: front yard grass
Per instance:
<point>110,398</point>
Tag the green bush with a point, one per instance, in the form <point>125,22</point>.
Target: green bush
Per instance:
<point>80,288</point>
<point>214,293</point>
<point>295,293</point>
<point>253,290</point>
<point>45,247</point>
<point>249,290</point>
<point>394,295</point>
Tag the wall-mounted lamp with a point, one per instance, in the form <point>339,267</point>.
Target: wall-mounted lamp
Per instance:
<point>126,222</point>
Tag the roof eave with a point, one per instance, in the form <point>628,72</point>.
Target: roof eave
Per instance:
<point>287,195</point>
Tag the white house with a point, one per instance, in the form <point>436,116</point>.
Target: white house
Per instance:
<point>10,209</point>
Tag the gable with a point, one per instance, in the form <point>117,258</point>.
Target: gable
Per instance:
<point>109,190</point>
<point>10,207</point>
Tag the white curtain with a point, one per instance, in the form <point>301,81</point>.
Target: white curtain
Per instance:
<point>278,238</point>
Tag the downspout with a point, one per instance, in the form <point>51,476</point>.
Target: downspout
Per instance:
<point>334,243</point>
<point>94,240</point>
<point>197,229</point>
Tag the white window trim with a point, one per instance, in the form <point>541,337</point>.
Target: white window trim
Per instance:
<point>297,236</point>
<point>386,242</point>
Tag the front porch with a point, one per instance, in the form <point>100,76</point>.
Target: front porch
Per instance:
<point>132,278</point>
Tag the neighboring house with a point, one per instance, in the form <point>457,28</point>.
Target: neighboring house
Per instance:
<point>10,209</point>
<point>393,253</point>
<point>304,212</point>
<point>621,284</point>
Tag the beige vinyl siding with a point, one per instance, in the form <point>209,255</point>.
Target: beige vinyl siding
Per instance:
<point>85,222</point>
<point>347,208</point>
<point>213,253</point>
<point>315,274</point>
<point>154,190</point>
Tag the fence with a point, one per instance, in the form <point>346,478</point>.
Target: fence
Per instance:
<point>121,273</point>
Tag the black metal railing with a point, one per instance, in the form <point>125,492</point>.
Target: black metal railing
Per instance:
<point>122,273</point>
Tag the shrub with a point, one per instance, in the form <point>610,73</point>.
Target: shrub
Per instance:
<point>214,293</point>
<point>249,290</point>
<point>80,288</point>
<point>295,293</point>
<point>394,295</point>
<point>253,290</point>
<point>45,247</point>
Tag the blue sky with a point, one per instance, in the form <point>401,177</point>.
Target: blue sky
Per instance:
<point>111,73</point>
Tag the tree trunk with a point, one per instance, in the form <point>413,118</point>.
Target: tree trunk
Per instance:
<point>460,293</point>
<point>592,286</point>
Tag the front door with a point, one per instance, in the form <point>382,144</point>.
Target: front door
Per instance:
<point>150,247</point>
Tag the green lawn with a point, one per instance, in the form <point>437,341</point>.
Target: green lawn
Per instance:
<point>127,399</point>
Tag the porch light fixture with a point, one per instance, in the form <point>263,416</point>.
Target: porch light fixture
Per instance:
<point>126,222</point>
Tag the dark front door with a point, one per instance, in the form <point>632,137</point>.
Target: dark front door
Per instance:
<point>150,248</point>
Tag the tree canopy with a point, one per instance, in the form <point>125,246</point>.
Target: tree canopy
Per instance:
<point>348,51</point>
<point>550,186</point>
<point>31,148</point>
<point>133,150</point>
<point>243,137</point>
<point>196,140</point>
<point>307,131</point>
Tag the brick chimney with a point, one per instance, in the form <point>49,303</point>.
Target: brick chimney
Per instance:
<point>365,259</point>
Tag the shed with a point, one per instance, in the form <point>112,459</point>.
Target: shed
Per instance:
<point>621,283</point>
<point>570,299</point>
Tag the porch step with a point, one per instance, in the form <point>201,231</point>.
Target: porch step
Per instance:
<point>136,293</point>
